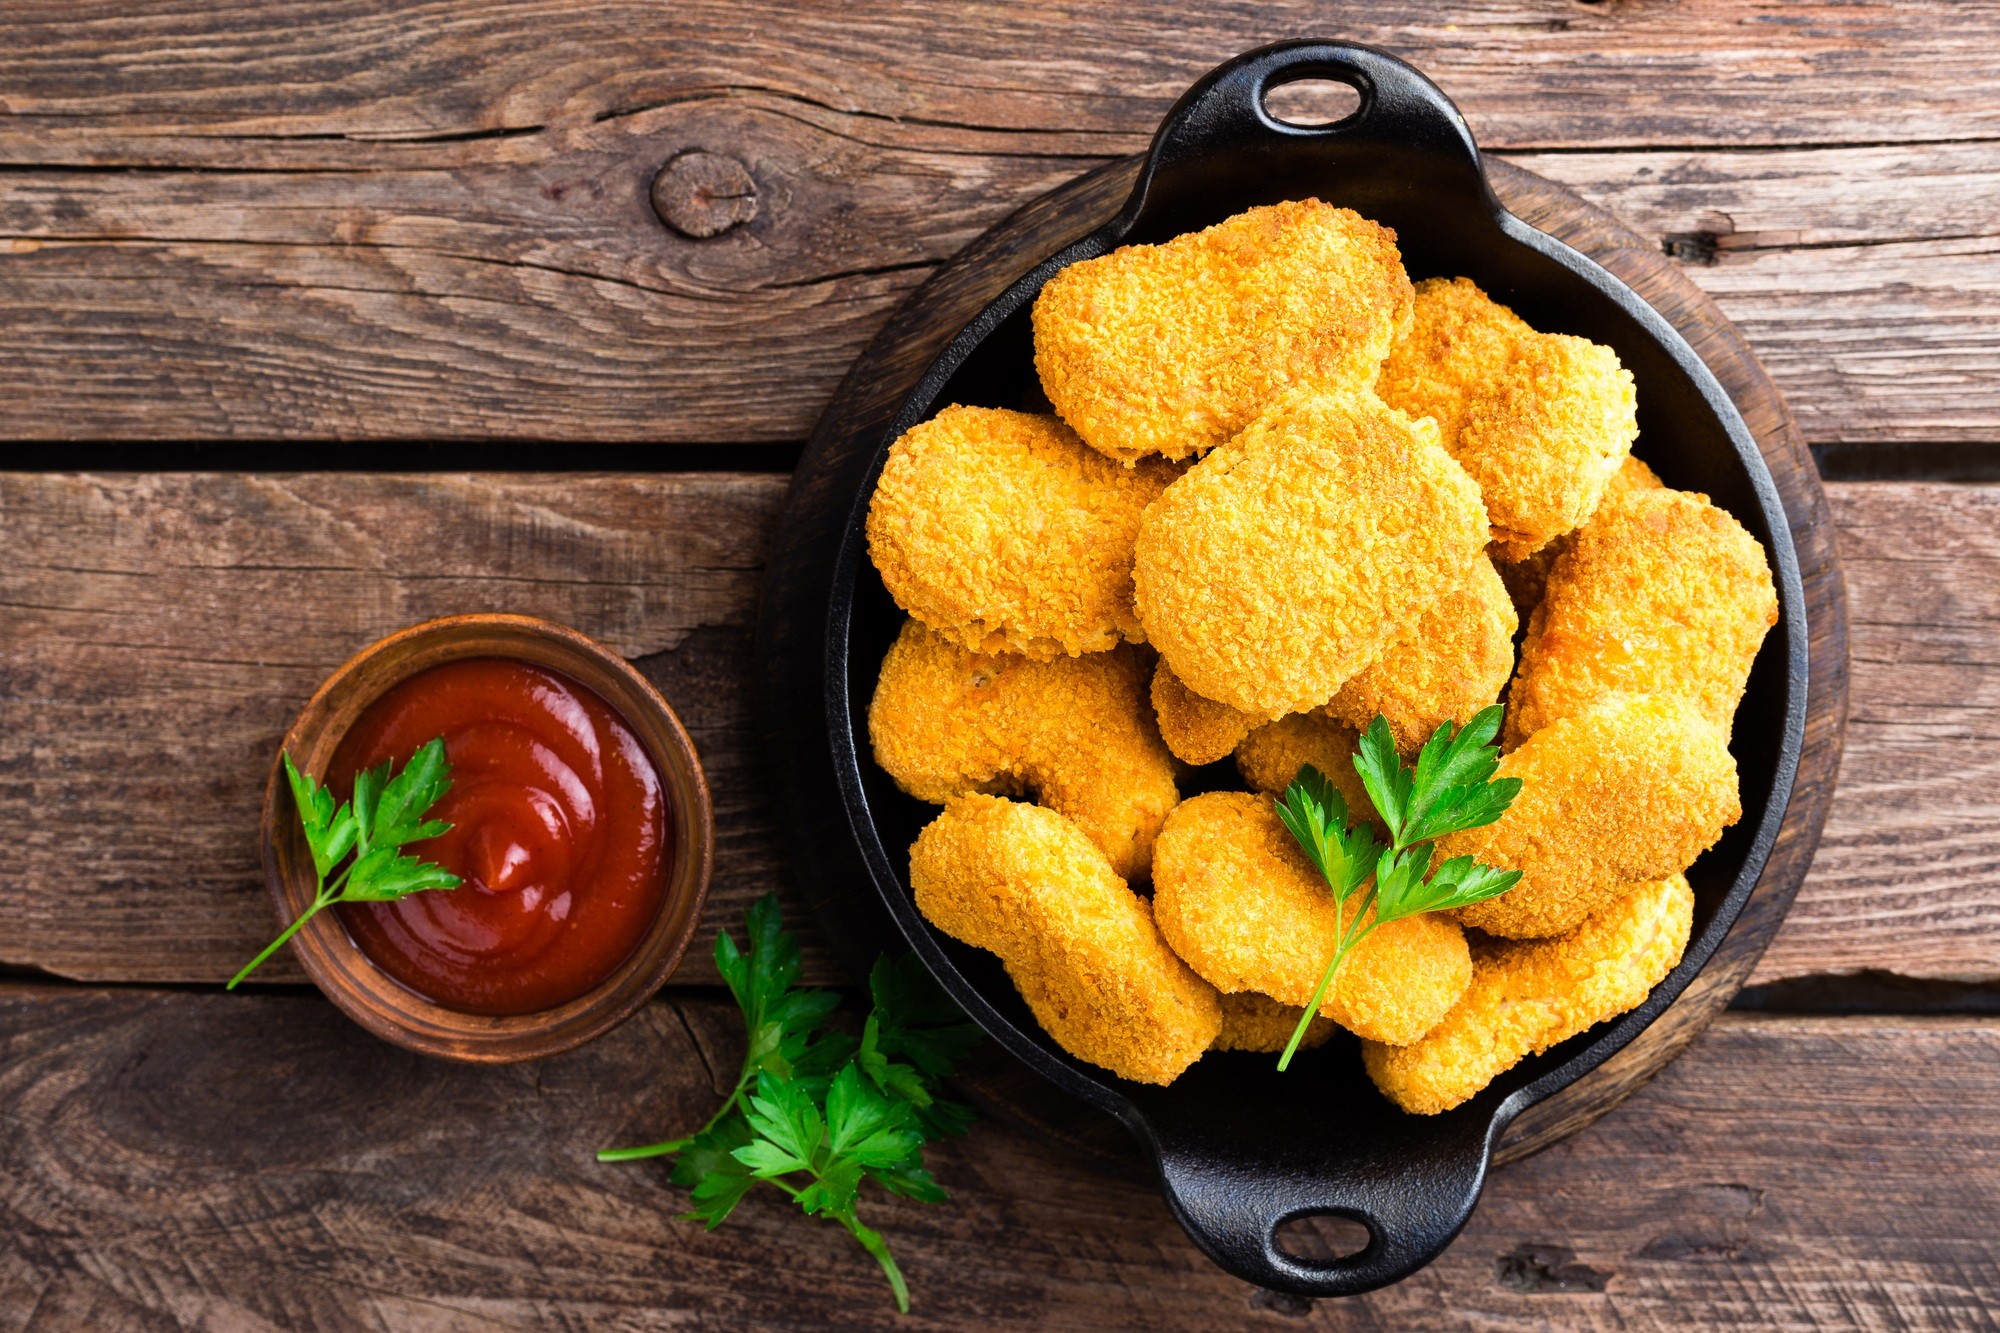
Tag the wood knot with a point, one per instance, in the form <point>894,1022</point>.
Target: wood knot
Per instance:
<point>704,194</point>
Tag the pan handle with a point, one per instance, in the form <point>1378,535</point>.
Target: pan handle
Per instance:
<point>1413,1198</point>
<point>1221,142</point>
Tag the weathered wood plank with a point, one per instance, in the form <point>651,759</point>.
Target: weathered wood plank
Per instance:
<point>515,288</point>
<point>155,642</point>
<point>1732,71</point>
<point>260,1162</point>
<point>317,220</point>
<point>1780,198</point>
<point>1908,874</point>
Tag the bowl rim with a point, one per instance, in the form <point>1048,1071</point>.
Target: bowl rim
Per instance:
<point>385,1006</point>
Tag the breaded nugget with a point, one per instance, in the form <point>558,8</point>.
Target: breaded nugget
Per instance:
<point>1634,789</point>
<point>1296,554</point>
<point>1003,532</point>
<point>1527,995</point>
<point>1197,730</point>
<point>1081,947</point>
<point>1527,578</point>
<point>1271,756</point>
<point>1076,732</point>
<point>1171,349</point>
<point>1540,420</point>
<point>1660,593</point>
<point>1454,664</point>
<point>1253,1022</point>
<point>1236,898</point>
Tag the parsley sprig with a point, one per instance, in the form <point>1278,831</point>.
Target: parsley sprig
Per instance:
<point>815,1113</point>
<point>389,810</point>
<point>1450,789</point>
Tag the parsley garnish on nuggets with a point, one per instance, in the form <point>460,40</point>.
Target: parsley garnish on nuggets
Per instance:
<point>1237,899</point>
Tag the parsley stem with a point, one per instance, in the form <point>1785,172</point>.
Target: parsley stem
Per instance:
<point>321,901</point>
<point>734,1100</point>
<point>872,1242</point>
<point>1349,938</point>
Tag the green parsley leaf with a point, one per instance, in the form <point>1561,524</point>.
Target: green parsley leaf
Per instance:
<point>1315,812</point>
<point>388,811</point>
<point>709,1169</point>
<point>821,1105</point>
<point>1450,789</point>
<point>1382,773</point>
<point>1461,882</point>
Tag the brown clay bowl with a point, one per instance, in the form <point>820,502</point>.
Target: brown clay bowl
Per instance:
<point>387,1008</point>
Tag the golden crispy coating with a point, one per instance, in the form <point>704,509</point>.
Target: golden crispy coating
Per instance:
<point>1454,664</point>
<point>1527,995</point>
<point>1634,789</point>
<point>1003,532</point>
<point>1297,553</point>
<point>1271,756</point>
<point>1076,732</point>
<point>1633,475</point>
<point>1238,900</point>
<point>1171,349</point>
<point>1527,578</point>
<point>1253,1022</point>
<point>1080,946</point>
<point>1660,593</point>
<point>1197,730</point>
<point>1540,420</point>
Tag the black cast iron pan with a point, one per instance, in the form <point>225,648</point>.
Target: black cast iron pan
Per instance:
<point>1241,1149</point>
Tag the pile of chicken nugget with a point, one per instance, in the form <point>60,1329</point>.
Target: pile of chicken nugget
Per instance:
<point>1283,491</point>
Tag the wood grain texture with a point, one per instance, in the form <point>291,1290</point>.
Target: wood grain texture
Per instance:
<point>153,647</point>
<point>328,220</point>
<point>1908,874</point>
<point>180,1160</point>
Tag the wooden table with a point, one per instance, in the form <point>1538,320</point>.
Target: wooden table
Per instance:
<point>320,318</point>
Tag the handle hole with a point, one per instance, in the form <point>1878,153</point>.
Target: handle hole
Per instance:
<point>1311,104</point>
<point>1321,1238</point>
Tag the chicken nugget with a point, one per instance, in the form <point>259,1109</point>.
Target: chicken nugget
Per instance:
<point>1027,884</point>
<point>1297,553</point>
<point>1003,532</point>
<point>1076,733</point>
<point>1197,730</point>
<point>1527,578</point>
<point>1253,1022</point>
<point>1527,995</point>
<point>1454,664</point>
<point>1635,789</point>
<point>1540,420</point>
<point>1236,898</point>
<point>1171,349</point>
<point>1660,593</point>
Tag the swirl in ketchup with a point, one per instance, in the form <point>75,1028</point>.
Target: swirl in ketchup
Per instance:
<point>558,829</point>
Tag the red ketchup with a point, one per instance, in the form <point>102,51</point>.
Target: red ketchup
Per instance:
<point>558,829</point>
